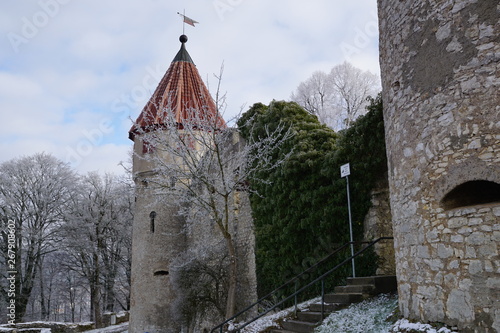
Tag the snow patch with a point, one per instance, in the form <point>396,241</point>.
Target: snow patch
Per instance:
<point>368,316</point>
<point>403,325</point>
<point>272,320</point>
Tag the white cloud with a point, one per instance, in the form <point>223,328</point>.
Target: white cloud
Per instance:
<point>77,64</point>
<point>109,156</point>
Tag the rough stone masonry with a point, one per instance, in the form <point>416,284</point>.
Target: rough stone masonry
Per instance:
<point>440,64</point>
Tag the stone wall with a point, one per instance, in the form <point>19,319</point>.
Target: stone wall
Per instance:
<point>440,64</point>
<point>51,327</point>
<point>241,228</point>
<point>153,251</point>
<point>378,223</point>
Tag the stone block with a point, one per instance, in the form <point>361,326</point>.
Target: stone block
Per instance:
<point>457,222</point>
<point>475,267</point>
<point>477,238</point>
<point>458,306</point>
<point>444,251</point>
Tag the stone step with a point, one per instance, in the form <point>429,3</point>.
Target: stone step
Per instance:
<point>299,326</point>
<point>344,298</point>
<point>360,280</point>
<point>356,290</point>
<point>382,283</point>
<point>309,316</point>
<point>328,307</point>
<point>368,289</point>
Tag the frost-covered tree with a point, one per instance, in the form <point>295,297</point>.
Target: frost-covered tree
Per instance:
<point>316,96</point>
<point>34,191</point>
<point>202,167</point>
<point>97,237</point>
<point>339,97</point>
<point>352,88</point>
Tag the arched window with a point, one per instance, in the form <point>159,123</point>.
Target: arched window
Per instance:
<point>477,192</point>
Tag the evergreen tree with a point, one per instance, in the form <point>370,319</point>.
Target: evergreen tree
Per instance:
<point>300,213</point>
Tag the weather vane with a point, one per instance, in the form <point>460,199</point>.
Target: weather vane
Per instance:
<point>187,20</point>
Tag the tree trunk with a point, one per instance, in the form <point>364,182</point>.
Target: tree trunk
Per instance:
<point>43,308</point>
<point>24,284</point>
<point>95,305</point>
<point>110,293</point>
<point>44,302</point>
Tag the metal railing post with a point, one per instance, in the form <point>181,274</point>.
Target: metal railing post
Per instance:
<point>295,299</point>
<point>322,299</point>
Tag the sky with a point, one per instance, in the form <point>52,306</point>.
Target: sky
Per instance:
<point>74,75</point>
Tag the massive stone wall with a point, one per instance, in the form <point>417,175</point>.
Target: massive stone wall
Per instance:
<point>440,64</point>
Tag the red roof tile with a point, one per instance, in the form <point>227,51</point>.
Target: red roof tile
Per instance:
<point>182,92</point>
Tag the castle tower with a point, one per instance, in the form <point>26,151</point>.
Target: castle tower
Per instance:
<point>158,232</point>
<point>440,65</point>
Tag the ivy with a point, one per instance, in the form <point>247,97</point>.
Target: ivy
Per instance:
<point>300,212</point>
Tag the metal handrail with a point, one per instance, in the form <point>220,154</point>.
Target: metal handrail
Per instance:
<point>297,292</point>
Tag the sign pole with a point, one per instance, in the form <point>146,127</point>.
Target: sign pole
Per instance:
<point>345,172</point>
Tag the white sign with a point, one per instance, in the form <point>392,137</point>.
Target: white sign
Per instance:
<point>344,170</point>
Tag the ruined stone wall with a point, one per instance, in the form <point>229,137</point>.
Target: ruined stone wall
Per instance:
<point>378,223</point>
<point>243,237</point>
<point>440,64</point>
<point>206,243</point>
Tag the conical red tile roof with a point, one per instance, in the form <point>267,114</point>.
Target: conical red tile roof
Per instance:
<point>182,92</point>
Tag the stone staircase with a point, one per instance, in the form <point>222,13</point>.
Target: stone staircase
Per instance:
<point>356,290</point>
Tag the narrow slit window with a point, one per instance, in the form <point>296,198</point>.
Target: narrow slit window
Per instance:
<point>477,192</point>
<point>152,216</point>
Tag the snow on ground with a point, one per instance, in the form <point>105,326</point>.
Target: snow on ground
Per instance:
<point>368,316</point>
<point>121,328</point>
<point>271,320</point>
<point>404,325</point>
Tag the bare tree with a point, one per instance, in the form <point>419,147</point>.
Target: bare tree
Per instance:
<point>202,167</point>
<point>339,97</point>
<point>33,193</point>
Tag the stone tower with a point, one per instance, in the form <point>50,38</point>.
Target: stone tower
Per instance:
<point>160,236</point>
<point>440,65</point>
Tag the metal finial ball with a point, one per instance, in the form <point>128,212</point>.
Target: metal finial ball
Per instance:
<point>183,38</point>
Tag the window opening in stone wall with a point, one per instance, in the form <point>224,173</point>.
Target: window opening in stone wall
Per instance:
<point>477,192</point>
<point>152,216</point>
<point>160,273</point>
